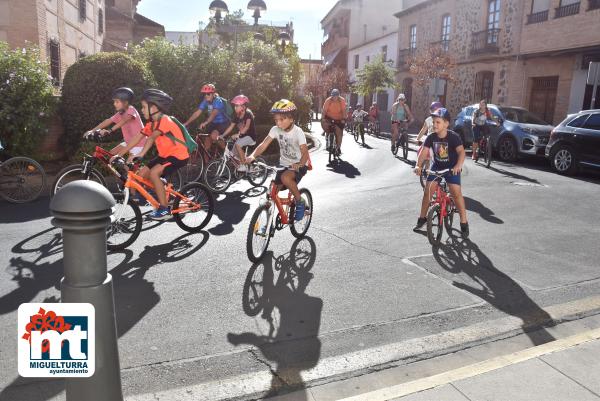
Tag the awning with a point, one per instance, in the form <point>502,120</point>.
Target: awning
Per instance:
<point>330,58</point>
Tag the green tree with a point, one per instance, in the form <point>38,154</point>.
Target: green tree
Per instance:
<point>374,77</point>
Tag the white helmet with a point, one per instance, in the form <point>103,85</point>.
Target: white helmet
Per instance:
<point>402,96</point>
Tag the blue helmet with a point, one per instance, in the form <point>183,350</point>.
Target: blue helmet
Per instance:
<point>335,92</point>
<point>441,113</point>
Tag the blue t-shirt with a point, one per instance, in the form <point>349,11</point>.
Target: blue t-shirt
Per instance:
<point>443,150</point>
<point>217,103</point>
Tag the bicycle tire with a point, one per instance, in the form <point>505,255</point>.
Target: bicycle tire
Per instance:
<point>255,179</point>
<point>449,219</point>
<point>356,134</point>
<point>137,228</point>
<point>488,152</point>
<point>176,180</point>
<point>423,175</point>
<point>395,148</point>
<point>434,223</point>
<point>200,194</point>
<point>20,171</point>
<point>405,145</point>
<point>192,172</point>
<point>308,201</point>
<point>217,181</point>
<point>255,257</point>
<point>75,171</point>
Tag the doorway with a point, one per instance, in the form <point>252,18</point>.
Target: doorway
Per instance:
<point>543,97</point>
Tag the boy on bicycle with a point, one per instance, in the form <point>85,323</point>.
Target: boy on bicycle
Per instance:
<point>293,151</point>
<point>244,120</point>
<point>447,152</point>
<point>170,144</point>
<point>126,118</point>
<point>359,115</point>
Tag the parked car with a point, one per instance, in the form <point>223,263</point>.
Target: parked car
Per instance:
<point>575,143</point>
<point>520,132</point>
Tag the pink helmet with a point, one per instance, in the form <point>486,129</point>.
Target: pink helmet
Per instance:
<point>240,100</point>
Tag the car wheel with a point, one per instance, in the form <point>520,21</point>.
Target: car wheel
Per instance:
<point>564,160</point>
<point>507,149</point>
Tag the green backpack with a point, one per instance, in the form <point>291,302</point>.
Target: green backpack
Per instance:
<point>189,143</point>
<point>229,112</point>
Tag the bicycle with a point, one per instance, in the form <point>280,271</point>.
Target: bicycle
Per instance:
<point>88,171</point>
<point>21,179</point>
<point>218,176</point>
<point>192,206</point>
<point>331,141</point>
<point>441,210</point>
<point>198,159</point>
<point>274,214</point>
<point>373,128</point>
<point>402,141</point>
<point>359,131</point>
<point>485,147</point>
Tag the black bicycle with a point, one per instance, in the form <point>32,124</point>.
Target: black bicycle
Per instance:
<point>401,142</point>
<point>331,142</point>
<point>359,131</point>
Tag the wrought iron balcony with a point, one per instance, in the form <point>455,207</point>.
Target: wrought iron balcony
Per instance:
<point>485,42</point>
<point>537,17</point>
<point>404,57</point>
<point>567,10</point>
<point>442,44</point>
<point>594,5</point>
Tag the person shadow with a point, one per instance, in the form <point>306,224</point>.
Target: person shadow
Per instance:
<point>275,289</point>
<point>483,211</point>
<point>475,273</point>
<point>231,211</point>
<point>345,168</point>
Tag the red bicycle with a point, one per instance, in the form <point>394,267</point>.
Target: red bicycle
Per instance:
<point>441,209</point>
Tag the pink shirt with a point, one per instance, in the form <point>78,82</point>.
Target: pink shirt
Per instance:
<point>131,128</point>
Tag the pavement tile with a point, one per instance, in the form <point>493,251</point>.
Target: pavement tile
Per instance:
<point>302,395</point>
<point>581,363</point>
<point>445,393</point>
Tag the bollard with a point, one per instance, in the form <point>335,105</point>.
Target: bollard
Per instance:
<point>83,210</point>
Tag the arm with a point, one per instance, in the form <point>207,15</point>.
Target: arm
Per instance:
<point>229,130</point>
<point>210,119</point>
<point>246,127</point>
<point>121,123</point>
<point>260,149</point>
<point>422,132</point>
<point>409,113</point>
<point>104,124</point>
<point>304,157</point>
<point>461,159</point>
<point>132,144</point>
<point>193,117</point>
<point>422,156</point>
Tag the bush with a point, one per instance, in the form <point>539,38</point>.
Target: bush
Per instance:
<point>87,91</point>
<point>26,99</point>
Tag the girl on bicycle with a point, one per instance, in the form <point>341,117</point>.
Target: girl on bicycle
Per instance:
<point>427,127</point>
<point>401,114</point>
<point>480,118</point>
<point>244,120</point>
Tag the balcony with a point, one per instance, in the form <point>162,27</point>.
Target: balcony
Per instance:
<point>594,5</point>
<point>536,18</point>
<point>404,57</point>
<point>565,11</point>
<point>442,44</point>
<point>485,42</point>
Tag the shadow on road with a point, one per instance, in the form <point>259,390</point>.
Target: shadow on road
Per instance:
<point>476,273</point>
<point>22,212</point>
<point>276,287</point>
<point>483,211</point>
<point>231,211</point>
<point>511,174</point>
<point>344,167</point>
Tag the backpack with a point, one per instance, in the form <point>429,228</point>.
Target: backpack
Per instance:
<point>229,112</point>
<point>189,143</point>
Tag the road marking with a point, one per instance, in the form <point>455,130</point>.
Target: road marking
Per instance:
<point>475,369</point>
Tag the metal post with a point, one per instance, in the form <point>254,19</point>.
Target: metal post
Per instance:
<point>83,209</point>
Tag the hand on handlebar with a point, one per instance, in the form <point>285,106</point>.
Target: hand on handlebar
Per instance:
<point>250,159</point>
<point>418,170</point>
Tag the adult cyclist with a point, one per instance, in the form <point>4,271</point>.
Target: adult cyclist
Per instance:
<point>217,122</point>
<point>334,112</point>
<point>402,117</point>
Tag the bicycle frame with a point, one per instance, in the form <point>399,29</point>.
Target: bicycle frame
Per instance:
<point>281,203</point>
<point>442,198</point>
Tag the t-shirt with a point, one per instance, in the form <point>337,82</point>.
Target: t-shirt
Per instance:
<point>131,128</point>
<point>218,104</point>
<point>359,115</point>
<point>443,150</point>
<point>166,146</point>
<point>373,112</point>
<point>480,118</point>
<point>289,144</point>
<point>335,109</point>
<point>429,123</point>
<point>241,123</point>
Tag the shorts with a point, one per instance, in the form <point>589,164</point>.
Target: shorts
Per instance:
<point>449,177</point>
<point>172,164</point>
<point>478,132</point>
<point>133,151</point>
<point>299,175</point>
<point>220,127</point>
<point>245,141</point>
<point>338,123</point>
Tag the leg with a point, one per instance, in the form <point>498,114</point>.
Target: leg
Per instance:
<point>241,154</point>
<point>430,189</point>
<point>117,149</point>
<point>159,187</point>
<point>394,133</point>
<point>288,178</point>
<point>214,138</point>
<point>339,134</point>
<point>459,201</point>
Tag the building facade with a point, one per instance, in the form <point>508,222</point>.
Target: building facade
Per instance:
<point>528,53</point>
<point>336,35</point>
<point>124,26</point>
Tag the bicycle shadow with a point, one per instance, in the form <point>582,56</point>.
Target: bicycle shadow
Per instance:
<point>291,319</point>
<point>475,272</point>
<point>21,213</point>
<point>345,168</point>
<point>516,176</point>
<point>484,212</point>
<point>231,210</point>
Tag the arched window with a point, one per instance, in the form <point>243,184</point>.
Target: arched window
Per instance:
<point>484,86</point>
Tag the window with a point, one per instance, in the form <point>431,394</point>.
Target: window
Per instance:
<point>356,61</point>
<point>82,10</point>
<point>538,6</point>
<point>100,22</point>
<point>567,7</point>
<point>368,59</point>
<point>593,122</point>
<point>54,51</point>
<point>493,21</point>
<point>446,23</point>
<point>413,37</point>
<point>384,52</point>
<point>576,123</point>
<point>484,86</point>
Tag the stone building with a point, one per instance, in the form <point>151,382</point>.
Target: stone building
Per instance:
<point>336,34</point>
<point>529,53</point>
<point>124,26</point>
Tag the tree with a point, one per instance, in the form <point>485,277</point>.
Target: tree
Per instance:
<point>434,63</point>
<point>374,77</point>
<point>320,85</point>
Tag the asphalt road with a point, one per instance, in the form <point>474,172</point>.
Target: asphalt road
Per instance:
<point>193,310</point>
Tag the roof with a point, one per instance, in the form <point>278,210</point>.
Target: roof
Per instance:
<point>333,9</point>
<point>311,61</point>
<point>139,18</point>
<point>416,7</point>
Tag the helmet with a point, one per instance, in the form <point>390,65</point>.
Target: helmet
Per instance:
<point>283,106</point>
<point>335,92</point>
<point>402,96</point>
<point>208,88</point>
<point>441,113</point>
<point>123,94</point>
<point>358,105</point>
<point>435,105</point>
<point>158,98</point>
<point>240,100</point>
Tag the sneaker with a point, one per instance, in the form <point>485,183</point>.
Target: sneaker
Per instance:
<point>464,229</point>
<point>421,221</point>
<point>162,213</point>
<point>299,211</point>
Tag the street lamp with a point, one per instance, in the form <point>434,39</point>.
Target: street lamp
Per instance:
<point>284,39</point>
<point>257,6</point>
<point>218,10</point>
<point>259,36</point>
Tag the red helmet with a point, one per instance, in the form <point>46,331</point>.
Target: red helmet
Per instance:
<point>240,100</point>
<point>208,88</point>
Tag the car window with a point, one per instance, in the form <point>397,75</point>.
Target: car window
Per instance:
<point>511,115</point>
<point>576,123</point>
<point>522,116</point>
<point>496,112</point>
<point>593,122</point>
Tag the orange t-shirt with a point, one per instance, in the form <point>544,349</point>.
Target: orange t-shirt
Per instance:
<point>336,110</point>
<point>166,146</point>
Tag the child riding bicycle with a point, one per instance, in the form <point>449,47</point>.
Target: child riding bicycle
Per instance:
<point>244,120</point>
<point>170,144</point>
<point>293,151</point>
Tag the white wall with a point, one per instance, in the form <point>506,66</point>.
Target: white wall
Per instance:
<point>377,15</point>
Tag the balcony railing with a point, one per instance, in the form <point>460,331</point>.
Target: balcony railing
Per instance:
<point>565,11</point>
<point>442,44</point>
<point>594,5</point>
<point>485,42</point>
<point>537,17</point>
<point>404,57</point>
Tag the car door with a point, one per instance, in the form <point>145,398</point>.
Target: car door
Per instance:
<point>496,130</point>
<point>587,138</point>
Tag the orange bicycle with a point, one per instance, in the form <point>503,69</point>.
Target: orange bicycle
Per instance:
<point>276,213</point>
<point>192,207</point>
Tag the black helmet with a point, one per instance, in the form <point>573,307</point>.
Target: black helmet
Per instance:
<point>123,94</point>
<point>158,98</point>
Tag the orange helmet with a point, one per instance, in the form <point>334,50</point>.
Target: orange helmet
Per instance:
<point>208,88</point>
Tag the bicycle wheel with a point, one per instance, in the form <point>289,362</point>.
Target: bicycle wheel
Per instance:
<point>257,242</point>
<point>74,173</point>
<point>449,219</point>
<point>405,145</point>
<point>356,133</point>
<point>423,176</point>
<point>435,227</point>
<point>257,173</point>
<point>192,172</point>
<point>198,205</point>
<point>176,180</point>
<point>488,152</point>
<point>21,179</point>
<point>299,228</point>
<point>217,176</point>
<point>126,226</point>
